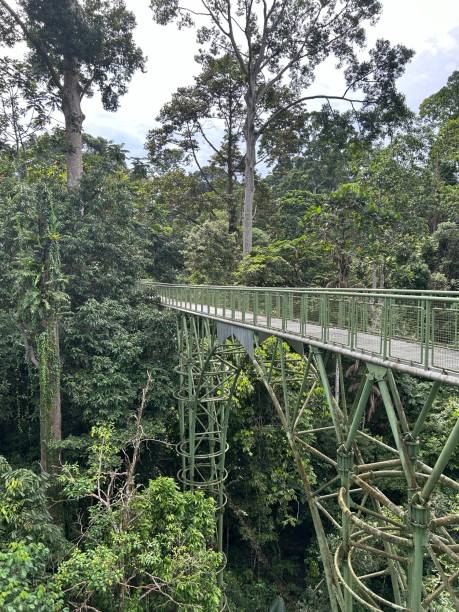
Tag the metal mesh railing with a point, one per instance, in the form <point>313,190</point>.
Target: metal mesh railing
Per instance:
<point>445,337</point>
<point>369,325</point>
<point>419,328</point>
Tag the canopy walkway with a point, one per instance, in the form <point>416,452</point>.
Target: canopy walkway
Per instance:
<point>384,519</point>
<point>414,332</point>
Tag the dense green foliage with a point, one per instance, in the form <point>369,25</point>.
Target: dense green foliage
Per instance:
<point>91,515</point>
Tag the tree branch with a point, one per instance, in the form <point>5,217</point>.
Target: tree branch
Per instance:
<point>304,99</point>
<point>211,145</point>
<point>36,43</point>
<point>201,171</point>
<point>229,34</point>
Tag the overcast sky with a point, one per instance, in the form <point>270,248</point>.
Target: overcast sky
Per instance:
<point>430,28</point>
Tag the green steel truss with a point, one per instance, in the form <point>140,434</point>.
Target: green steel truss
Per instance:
<point>208,373</point>
<point>384,513</point>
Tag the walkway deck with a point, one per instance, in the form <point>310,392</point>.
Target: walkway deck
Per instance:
<point>423,357</point>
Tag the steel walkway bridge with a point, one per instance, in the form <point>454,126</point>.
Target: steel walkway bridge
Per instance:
<point>395,516</point>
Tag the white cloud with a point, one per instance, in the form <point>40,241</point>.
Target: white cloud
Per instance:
<point>170,64</point>
<point>419,24</point>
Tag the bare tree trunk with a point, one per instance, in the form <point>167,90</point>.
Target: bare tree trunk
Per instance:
<point>435,216</point>
<point>343,269</point>
<point>250,162</point>
<point>374,275</point>
<point>16,127</point>
<point>71,107</point>
<point>232,209</point>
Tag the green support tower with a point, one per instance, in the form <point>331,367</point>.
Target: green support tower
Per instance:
<point>393,537</point>
<point>208,373</point>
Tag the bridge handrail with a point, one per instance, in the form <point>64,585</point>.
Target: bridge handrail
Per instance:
<point>416,329</point>
<point>424,294</point>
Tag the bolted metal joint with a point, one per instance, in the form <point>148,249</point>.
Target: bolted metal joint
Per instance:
<point>412,446</point>
<point>376,373</point>
<point>418,517</point>
<point>345,460</point>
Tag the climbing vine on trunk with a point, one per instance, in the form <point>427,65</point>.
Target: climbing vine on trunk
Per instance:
<point>41,299</point>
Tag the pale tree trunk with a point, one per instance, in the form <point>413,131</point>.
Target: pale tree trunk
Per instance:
<point>71,107</point>
<point>250,162</point>
<point>435,217</point>
<point>50,411</point>
<point>374,275</point>
<point>232,208</point>
<point>377,275</point>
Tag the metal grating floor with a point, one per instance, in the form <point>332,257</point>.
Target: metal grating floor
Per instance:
<point>397,351</point>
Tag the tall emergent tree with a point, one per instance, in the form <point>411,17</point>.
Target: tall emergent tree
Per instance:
<point>279,44</point>
<point>192,116</point>
<point>75,46</point>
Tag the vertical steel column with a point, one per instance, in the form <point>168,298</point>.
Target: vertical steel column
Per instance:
<point>345,460</point>
<point>181,372</point>
<point>418,517</point>
<point>358,414</point>
<point>345,464</point>
<point>399,443</point>
<point>208,376</point>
